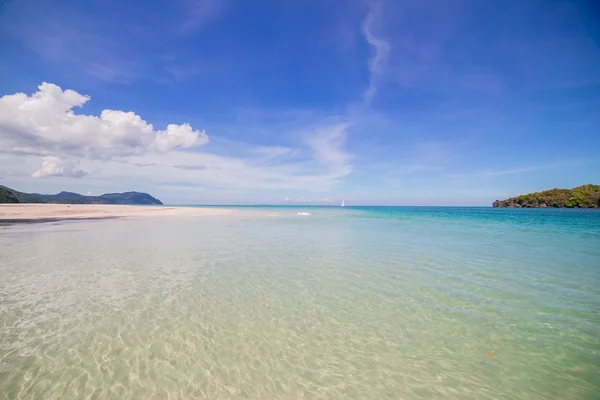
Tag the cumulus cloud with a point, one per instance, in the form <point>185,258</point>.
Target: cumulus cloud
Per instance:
<point>45,124</point>
<point>179,136</point>
<point>43,135</point>
<point>54,166</point>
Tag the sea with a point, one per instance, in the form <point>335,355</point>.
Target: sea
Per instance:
<point>304,303</point>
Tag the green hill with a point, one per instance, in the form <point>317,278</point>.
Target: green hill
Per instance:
<point>8,195</point>
<point>585,196</point>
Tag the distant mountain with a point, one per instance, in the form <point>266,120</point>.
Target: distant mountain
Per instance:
<point>8,195</point>
<point>585,196</point>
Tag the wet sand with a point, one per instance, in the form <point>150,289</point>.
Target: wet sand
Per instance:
<point>27,213</point>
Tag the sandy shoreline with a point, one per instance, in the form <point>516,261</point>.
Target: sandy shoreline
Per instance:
<point>23,213</point>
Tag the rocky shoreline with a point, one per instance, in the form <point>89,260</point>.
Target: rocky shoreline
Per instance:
<point>513,203</point>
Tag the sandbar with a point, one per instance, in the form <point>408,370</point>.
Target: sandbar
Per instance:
<point>27,213</point>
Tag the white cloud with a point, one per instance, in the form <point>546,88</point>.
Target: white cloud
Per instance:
<point>43,137</point>
<point>45,124</point>
<point>179,136</point>
<point>489,173</point>
<point>272,152</point>
<point>327,145</point>
<point>323,164</point>
<point>54,166</point>
<point>379,59</point>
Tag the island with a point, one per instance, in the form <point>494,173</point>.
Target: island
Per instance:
<point>8,195</point>
<point>584,196</point>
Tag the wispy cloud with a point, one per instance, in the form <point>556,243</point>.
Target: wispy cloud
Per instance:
<point>180,73</point>
<point>327,146</point>
<point>200,12</point>
<point>116,73</point>
<point>123,48</point>
<point>70,38</point>
<point>271,152</point>
<point>382,48</point>
<point>490,173</point>
<point>145,164</point>
<point>192,167</point>
<point>430,157</point>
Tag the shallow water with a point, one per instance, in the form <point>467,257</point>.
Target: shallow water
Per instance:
<point>364,303</point>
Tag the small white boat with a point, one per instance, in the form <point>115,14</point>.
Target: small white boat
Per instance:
<point>303,213</point>
<point>343,205</point>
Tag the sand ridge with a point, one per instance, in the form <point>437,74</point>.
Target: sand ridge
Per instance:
<point>53,212</point>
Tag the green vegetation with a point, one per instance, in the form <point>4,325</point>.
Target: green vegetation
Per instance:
<point>8,195</point>
<point>585,196</point>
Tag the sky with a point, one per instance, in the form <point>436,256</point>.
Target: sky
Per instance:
<point>392,102</point>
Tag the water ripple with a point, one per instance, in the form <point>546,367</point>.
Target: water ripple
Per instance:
<point>330,306</point>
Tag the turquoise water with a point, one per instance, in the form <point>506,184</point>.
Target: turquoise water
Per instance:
<point>365,303</point>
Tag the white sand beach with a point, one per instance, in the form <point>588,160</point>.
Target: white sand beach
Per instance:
<point>41,212</point>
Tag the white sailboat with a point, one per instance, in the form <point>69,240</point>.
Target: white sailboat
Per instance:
<point>343,205</point>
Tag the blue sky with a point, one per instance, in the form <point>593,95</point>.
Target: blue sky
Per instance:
<point>282,102</point>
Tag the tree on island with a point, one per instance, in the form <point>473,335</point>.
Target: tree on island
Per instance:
<point>584,196</point>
